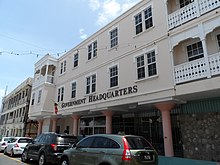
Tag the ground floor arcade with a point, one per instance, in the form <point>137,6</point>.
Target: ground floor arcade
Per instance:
<point>187,130</point>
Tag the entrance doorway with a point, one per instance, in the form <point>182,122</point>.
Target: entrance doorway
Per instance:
<point>141,124</point>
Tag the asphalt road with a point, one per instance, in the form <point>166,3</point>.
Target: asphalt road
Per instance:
<point>7,160</point>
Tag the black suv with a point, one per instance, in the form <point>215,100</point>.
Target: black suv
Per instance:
<point>48,147</point>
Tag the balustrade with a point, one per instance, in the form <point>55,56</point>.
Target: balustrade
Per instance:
<point>197,69</point>
<point>191,11</point>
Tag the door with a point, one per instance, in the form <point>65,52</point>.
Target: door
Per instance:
<point>82,153</point>
<point>35,146</point>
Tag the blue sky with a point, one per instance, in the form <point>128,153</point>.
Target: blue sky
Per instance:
<point>29,29</point>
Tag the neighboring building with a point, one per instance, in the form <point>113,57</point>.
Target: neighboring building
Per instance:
<point>14,116</point>
<point>153,71</point>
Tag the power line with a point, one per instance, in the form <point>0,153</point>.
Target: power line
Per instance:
<point>37,54</point>
<point>24,42</point>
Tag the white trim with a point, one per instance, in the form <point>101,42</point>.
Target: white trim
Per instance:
<point>111,66</point>
<point>109,37</point>
<point>142,9</point>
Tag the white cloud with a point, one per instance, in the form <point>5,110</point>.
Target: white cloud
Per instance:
<point>128,5</point>
<point>82,33</point>
<point>94,4</point>
<point>110,9</point>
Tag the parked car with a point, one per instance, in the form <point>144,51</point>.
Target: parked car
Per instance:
<point>48,147</point>
<point>109,149</point>
<point>17,145</point>
<point>3,142</point>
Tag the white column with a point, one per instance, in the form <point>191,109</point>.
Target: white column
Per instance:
<point>75,124</point>
<point>205,51</point>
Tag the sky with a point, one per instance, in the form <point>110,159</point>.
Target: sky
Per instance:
<point>29,29</point>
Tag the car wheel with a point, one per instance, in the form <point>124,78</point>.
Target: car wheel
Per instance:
<point>42,160</point>
<point>64,161</point>
<point>24,156</point>
<point>12,153</point>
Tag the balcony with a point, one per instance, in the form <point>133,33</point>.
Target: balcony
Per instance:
<point>191,11</point>
<point>9,121</point>
<point>43,79</point>
<point>197,69</point>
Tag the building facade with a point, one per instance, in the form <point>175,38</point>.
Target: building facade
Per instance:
<point>14,116</point>
<point>153,71</point>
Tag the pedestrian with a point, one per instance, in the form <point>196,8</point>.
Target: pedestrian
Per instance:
<point>121,132</point>
<point>66,131</point>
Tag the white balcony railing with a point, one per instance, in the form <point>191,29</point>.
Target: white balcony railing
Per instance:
<point>191,11</point>
<point>50,79</point>
<point>197,69</point>
<point>214,63</point>
<point>43,79</point>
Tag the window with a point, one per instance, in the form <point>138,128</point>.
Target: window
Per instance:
<point>113,76</point>
<point>92,50</point>
<point>75,60</point>
<point>146,65</point>
<point>39,96</point>
<point>195,51</point>
<point>151,64</point>
<point>86,143</point>
<point>146,17</point>
<point>114,37</point>
<point>23,94</point>
<point>24,140</point>
<point>63,67</point>
<point>33,97</point>
<point>185,2</point>
<point>138,23</point>
<point>60,94</point>
<point>100,142</point>
<point>138,143</point>
<point>73,93</point>
<point>140,67</point>
<point>218,40</point>
<point>103,142</point>
<point>91,84</point>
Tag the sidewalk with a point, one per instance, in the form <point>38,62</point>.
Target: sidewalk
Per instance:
<point>181,161</point>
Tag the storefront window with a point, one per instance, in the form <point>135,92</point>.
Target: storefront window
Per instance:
<point>92,125</point>
<point>86,121</point>
<point>99,120</point>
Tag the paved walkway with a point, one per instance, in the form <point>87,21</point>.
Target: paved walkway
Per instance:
<point>181,161</point>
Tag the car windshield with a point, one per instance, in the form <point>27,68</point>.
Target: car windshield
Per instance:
<point>138,143</point>
<point>67,139</point>
<point>7,139</point>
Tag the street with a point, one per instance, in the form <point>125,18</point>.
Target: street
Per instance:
<point>4,159</point>
<point>7,160</point>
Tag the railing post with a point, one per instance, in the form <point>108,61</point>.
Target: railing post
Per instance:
<point>197,8</point>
